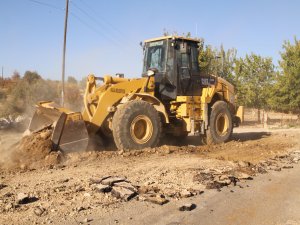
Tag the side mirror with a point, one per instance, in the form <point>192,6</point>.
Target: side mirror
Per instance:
<point>142,45</point>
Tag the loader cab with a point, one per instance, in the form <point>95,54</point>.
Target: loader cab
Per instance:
<point>175,63</point>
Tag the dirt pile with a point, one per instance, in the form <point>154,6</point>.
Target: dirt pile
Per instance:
<point>32,151</point>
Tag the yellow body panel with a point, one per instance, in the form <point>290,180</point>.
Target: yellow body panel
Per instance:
<point>188,109</point>
<point>194,109</point>
<point>240,113</point>
<point>101,101</point>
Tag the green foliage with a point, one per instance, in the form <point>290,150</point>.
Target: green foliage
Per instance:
<point>256,81</point>
<point>286,92</point>
<point>31,76</point>
<point>217,61</point>
<point>228,60</point>
<point>206,57</point>
<point>254,78</point>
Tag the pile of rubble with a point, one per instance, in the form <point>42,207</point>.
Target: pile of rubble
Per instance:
<point>121,188</point>
<point>216,179</point>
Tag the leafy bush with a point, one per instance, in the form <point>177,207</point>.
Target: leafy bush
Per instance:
<point>29,90</point>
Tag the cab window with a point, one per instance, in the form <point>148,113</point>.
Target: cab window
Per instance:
<point>155,56</point>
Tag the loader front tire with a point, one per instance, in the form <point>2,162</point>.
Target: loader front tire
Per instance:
<point>136,125</point>
<point>220,124</point>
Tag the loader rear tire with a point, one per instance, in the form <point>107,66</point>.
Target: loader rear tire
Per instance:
<point>136,125</point>
<point>220,124</point>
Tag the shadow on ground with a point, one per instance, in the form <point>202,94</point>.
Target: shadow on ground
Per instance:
<point>249,136</point>
<point>108,144</point>
<point>197,140</point>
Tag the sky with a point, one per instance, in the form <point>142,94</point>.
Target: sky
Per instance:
<point>103,35</point>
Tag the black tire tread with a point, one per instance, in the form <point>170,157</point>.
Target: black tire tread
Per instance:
<point>210,139</point>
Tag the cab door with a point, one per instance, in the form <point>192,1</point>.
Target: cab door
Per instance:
<point>189,81</point>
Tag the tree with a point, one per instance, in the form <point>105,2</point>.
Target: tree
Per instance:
<point>228,59</point>
<point>175,33</point>
<point>16,76</point>
<point>72,80</point>
<point>254,78</point>
<point>286,92</point>
<point>217,61</point>
<point>206,58</point>
<point>27,92</point>
<point>31,76</point>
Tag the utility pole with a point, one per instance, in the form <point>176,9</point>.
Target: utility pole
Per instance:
<point>2,81</point>
<point>223,64</point>
<point>64,56</point>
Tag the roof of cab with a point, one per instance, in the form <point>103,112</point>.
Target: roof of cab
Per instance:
<point>172,37</point>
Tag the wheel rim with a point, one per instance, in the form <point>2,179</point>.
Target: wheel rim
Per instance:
<point>141,129</point>
<point>222,123</point>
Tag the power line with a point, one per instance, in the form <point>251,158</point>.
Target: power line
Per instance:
<point>83,22</point>
<point>46,4</point>
<point>102,22</point>
<point>108,37</point>
<point>84,12</point>
<point>90,27</point>
<point>72,14</point>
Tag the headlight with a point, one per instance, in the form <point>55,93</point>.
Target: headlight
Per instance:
<point>150,73</point>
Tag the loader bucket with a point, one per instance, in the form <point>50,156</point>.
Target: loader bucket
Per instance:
<point>69,130</point>
<point>43,117</point>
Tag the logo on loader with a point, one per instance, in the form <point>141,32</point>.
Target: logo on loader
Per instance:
<point>118,90</point>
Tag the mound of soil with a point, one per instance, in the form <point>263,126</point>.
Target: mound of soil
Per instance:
<point>33,151</point>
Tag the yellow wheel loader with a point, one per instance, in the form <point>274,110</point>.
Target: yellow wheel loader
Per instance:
<point>172,97</point>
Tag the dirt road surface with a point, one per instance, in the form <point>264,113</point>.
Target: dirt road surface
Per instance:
<point>217,179</point>
<point>271,198</point>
